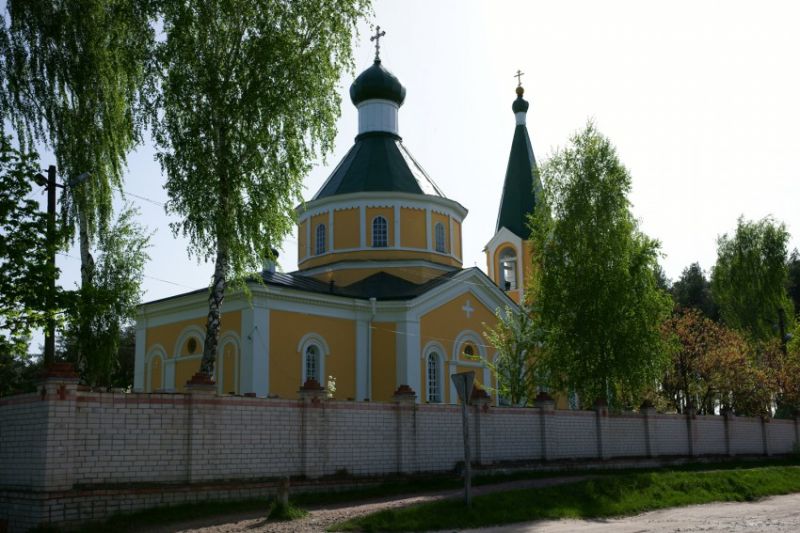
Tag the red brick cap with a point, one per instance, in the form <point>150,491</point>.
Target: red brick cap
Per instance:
<point>600,402</point>
<point>201,378</point>
<point>311,384</point>
<point>647,404</point>
<point>59,370</point>
<point>404,390</point>
<point>543,397</point>
<point>478,394</point>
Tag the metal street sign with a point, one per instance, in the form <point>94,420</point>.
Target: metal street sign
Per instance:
<point>464,382</point>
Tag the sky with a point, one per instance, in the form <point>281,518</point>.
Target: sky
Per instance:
<point>701,100</point>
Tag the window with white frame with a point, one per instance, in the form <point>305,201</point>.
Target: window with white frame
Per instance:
<point>439,234</point>
<point>380,233</point>
<point>508,269</point>
<point>321,239</point>
<point>312,363</point>
<point>434,379</point>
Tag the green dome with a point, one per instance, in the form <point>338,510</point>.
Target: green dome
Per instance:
<point>520,105</point>
<point>377,83</point>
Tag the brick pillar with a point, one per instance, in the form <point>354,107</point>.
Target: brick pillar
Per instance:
<point>601,409</point>
<point>648,413</point>
<point>406,434</point>
<point>313,448</point>
<point>765,435</point>
<point>730,419</point>
<point>58,388</point>
<point>547,408</point>
<point>691,429</point>
<point>199,389</point>
<point>480,400</point>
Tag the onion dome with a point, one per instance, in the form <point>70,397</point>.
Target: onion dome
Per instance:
<point>377,83</point>
<point>520,105</point>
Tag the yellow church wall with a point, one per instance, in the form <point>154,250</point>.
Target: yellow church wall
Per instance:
<point>301,240</point>
<point>388,214</point>
<point>445,221</point>
<point>167,335</point>
<point>445,323</point>
<point>184,370</point>
<point>412,228</point>
<point>457,238</point>
<point>527,261</point>
<point>384,369</point>
<point>229,364</point>
<point>316,221</point>
<point>156,368</point>
<point>285,362</point>
<point>346,229</point>
<point>379,254</point>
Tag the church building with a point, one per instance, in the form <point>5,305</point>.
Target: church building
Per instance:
<point>380,298</point>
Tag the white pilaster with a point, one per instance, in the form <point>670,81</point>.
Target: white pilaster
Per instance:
<point>397,225</point>
<point>362,363</point>
<point>138,364</point>
<point>428,229</point>
<point>330,230</point>
<point>254,365</point>
<point>362,212</point>
<point>169,374</point>
<point>408,355</point>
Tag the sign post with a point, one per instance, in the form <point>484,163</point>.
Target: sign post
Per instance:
<point>463,382</point>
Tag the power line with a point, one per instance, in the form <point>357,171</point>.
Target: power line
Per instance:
<point>144,275</point>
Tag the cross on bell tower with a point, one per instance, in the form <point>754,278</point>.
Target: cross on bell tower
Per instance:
<point>377,39</point>
<point>519,75</point>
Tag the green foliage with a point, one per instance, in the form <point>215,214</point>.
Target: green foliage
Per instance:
<point>248,100</point>
<point>693,291</point>
<point>612,495</point>
<point>101,313</point>
<point>750,278</point>
<point>72,75</point>
<point>517,338</point>
<point>23,252</point>
<point>600,302</point>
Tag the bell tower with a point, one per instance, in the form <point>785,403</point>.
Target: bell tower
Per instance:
<point>508,252</point>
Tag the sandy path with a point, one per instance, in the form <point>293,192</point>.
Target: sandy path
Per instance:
<point>321,518</point>
<point>778,514</point>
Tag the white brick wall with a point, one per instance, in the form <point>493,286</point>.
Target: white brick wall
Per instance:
<point>89,441</point>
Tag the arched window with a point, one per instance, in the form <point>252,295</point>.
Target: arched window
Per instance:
<point>508,269</point>
<point>469,351</point>
<point>380,230</point>
<point>434,379</point>
<point>320,239</point>
<point>439,233</point>
<point>311,364</point>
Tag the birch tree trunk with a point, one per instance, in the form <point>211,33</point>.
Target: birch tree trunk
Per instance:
<point>215,297</point>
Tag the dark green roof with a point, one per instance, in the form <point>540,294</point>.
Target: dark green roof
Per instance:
<point>378,161</point>
<point>377,82</point>
<point>519,197</point>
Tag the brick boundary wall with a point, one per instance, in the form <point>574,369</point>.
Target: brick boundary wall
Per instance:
<point>69,456</point>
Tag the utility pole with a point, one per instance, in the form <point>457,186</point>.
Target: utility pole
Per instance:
<point>50,332</point>
<point>50,184</point>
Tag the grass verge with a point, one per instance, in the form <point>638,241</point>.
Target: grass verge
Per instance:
<point>608,495</point>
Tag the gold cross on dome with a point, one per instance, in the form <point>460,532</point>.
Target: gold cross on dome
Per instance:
<point>519,75</point>
<point>377,39</point>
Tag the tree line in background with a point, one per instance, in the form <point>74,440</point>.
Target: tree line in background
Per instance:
<point>602,323</point>
<point>239,96</point>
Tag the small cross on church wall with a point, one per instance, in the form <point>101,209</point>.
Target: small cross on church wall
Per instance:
<point>468,309</point>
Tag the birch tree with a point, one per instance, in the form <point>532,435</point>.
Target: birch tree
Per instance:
<point>74,77</point>
<point>248,98</point>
